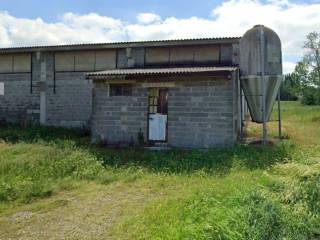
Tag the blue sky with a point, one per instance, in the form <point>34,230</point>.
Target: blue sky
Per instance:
<point>45,22</point>
<point>125,9</point>
<point>50,10</point>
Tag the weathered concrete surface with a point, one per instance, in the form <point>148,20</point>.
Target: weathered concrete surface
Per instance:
<point>66,94</point>
<point>200,114</point>
<point>17,99</point>
<point>118,118</point>
<point>21,99</point>
<point>70,105</point>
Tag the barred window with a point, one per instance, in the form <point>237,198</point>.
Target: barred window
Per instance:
<point>120,90</point>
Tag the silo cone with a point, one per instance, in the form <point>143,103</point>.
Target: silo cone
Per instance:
<point>260,62</point>
<point>252,89</point>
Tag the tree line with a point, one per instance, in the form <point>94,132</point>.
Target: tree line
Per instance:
<point>304,82</point>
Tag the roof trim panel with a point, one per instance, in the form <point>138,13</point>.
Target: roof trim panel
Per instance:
<point>93,46</point>
<point>157,71</point>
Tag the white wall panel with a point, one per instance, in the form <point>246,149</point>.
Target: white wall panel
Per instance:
<point>84,61</point>
<point>105,60</point>
<point>180,55</point>
<point>6,63</point>
<point>64,61</point>
<point>206,54</point>
<point>21,63</point>
<point>1,88</point>
<point>157,56</point>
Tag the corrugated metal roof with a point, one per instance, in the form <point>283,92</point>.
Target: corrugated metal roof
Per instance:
<point>159,71</point>
<point>64,47</point>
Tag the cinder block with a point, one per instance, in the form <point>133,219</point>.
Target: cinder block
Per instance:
<point>207,114</point>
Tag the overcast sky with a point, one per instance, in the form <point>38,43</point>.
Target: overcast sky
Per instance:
<point>41,22</point>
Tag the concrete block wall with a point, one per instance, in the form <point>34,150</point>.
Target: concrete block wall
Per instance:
<point>70,105</point>
<point>18,101</point>
<point>21,99</point>
<point>118,118</point>
<point>68,95</point>
<point>201,114</point>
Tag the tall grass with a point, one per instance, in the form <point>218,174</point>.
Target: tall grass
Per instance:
<point>32,171</point>
<point>39,161</point>
<point>239,206</point>
<point>239,193</point>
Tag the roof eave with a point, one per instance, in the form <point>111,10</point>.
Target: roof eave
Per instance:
<point>123,73</point>
<point>95,46</point>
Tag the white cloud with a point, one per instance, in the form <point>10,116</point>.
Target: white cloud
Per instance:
<point>291,21</point>
<point>288,67</point>
<point>280,2</point>
<point>147,18</point>
<point>71,28</point>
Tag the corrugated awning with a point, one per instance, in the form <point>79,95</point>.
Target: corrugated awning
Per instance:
<point>158,71</point>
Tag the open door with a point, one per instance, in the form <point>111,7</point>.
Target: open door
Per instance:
<point>158,114</point>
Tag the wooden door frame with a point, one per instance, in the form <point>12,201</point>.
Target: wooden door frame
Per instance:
<point>148,114</point>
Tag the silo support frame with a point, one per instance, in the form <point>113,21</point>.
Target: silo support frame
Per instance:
<point>279,115</point>
<point>243,112</point>
<point>241,115</point>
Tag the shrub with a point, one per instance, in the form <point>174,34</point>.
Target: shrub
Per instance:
<point>310,97</point>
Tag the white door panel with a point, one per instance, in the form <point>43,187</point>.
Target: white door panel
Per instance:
<point>157,127</point>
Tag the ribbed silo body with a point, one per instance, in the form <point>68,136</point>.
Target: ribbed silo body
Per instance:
<point>260,62</point>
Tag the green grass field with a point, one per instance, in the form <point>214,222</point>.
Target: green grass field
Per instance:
<point>55,185</point>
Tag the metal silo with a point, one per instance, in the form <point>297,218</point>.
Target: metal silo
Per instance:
<point>260,71</point>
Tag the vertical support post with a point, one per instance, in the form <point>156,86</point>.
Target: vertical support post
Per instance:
<point>31,73</point>
<point>241,106</point>
<point>241,115</point>
<point>279,115</point>
<point>54,73</point>
<point>42,86</point>
<point>263,86</point>
<point>237,106</point>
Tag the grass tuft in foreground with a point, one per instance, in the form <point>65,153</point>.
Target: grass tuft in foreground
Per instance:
<point>55,175</point>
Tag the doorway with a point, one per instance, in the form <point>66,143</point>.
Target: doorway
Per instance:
<point>158,114</point>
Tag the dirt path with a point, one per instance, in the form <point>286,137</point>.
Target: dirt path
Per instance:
<point>85,213</point>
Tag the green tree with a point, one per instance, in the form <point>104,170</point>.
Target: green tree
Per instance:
<point>312,58</point>
<point>305,79</point>
<point>302,74</point>
<point>290,88</point>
